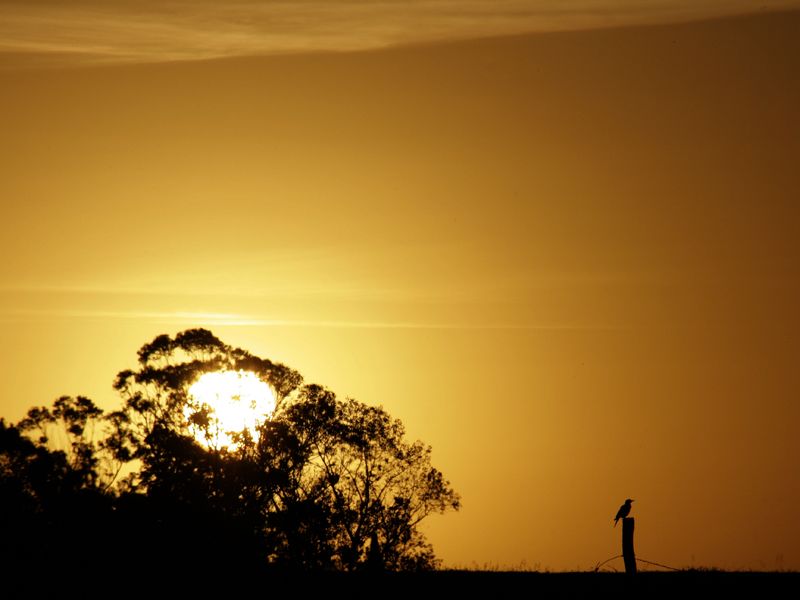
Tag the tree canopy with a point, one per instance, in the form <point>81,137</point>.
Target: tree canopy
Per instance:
<point>321,484</point>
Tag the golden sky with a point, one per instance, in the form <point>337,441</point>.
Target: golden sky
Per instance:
<point>568,259</point>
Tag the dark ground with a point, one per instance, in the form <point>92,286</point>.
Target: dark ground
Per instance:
<point>456,584</point>
<point>141,584</point>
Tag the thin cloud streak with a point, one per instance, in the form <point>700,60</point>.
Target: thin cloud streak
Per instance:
<point>86,31</point>
<point>236,320</point>
<point>274,291</point>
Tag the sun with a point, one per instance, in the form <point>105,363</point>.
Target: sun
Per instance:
<point>223,403</point>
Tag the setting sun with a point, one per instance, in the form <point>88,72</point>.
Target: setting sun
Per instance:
<point>232,401</point>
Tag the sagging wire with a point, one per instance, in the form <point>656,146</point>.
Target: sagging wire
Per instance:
<point>649,562</point>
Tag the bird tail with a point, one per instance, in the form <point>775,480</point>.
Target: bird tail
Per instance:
<point>615,522</point>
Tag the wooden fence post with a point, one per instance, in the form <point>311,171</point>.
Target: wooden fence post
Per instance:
<point>627,545</point>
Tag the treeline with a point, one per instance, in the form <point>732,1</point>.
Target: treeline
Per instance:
<point>324,485</point>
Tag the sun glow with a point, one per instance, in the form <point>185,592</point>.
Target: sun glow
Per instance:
<point>224,403</point>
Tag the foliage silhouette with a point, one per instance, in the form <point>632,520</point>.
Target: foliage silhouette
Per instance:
<point>52,507</point>
<point>324,484</point>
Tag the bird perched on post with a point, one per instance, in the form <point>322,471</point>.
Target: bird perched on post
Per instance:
<point>623,511</point>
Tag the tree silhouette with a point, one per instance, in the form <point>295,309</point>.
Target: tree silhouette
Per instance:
<point>53,508</point>
<point>376,486</point>
<point>323,484</point>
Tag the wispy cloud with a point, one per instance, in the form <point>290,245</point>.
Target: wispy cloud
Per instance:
<point>172,317</point>
<point>173,30</point>
<point>198,319</point>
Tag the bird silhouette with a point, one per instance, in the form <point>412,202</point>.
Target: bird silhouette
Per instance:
<point>623,511</point>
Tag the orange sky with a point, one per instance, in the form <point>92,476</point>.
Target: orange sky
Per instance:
<point>567,260</point>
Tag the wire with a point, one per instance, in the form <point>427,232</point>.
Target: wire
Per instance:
<point>598,565</point>
<point>649,562</point>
